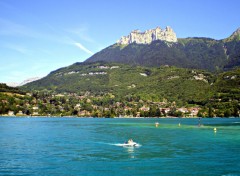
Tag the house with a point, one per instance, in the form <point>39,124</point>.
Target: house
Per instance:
<point>103,67</point>
<point>138,114</point>
<point>35,108</point>
<point>20,113</point>
<point>126,108</point>
<point>84,113</point>
<point>114,67</point>
<point>194,111</point>
<point>183,110</point>
<point>144,109</point>
<point>10,113</point>
<point>165,110</point>
<point>77,106</point>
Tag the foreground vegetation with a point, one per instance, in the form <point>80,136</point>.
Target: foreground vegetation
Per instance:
<point>50,104</point>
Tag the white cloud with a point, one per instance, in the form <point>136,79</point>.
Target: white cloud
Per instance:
<point>79,45</point>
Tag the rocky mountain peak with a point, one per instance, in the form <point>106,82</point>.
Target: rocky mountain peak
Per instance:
<point>237,32</point>
<point>235,36</point>
<point>149,36</point>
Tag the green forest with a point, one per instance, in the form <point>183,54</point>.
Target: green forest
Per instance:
<point>117,90</point>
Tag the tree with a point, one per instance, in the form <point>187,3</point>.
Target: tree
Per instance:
<point>75,112</point>
<point>27,112</point>
<point>152,111</point>
<point>227,113</point>
<point>235,111</point>
<point>178,114</point>
<point>210,111</point>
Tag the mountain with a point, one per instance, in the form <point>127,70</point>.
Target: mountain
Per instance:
<point>232,49</point>
<point>175,84</point>
<point>153,69</point>
<point>29,80</point>
<point>14,84</point>
<point>111,84</point>
<point>235,36</point>
<point>184,86</point>
<point>158,47</point>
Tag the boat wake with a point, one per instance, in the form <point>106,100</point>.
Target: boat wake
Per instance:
<point>127,145</point>
<point>122,144</point>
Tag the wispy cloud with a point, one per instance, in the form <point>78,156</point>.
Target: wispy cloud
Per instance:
<point>82,33</point>
<point>13,29</point>
<point>18,48</point>
<point>80,46</point>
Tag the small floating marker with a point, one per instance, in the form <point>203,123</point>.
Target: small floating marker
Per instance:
<point>156,124</point>
<point>215,130</point>
<point>179,124</point>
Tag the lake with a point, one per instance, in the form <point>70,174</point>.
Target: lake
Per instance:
<point>90,146</point>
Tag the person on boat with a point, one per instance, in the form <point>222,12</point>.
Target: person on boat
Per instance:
<point>130,141</point>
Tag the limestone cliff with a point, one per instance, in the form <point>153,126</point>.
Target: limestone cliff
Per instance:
<point>148,36</point>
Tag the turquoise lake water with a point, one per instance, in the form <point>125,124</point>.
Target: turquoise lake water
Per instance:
<point>89,146</point>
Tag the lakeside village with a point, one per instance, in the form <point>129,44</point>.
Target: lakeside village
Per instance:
<point>68,105</point>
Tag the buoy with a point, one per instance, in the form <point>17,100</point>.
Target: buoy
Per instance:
<point>179,124</point>
<point>215,130</point>
<point>156,124</point>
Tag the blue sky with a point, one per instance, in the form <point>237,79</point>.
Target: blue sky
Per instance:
<point>37,37</point>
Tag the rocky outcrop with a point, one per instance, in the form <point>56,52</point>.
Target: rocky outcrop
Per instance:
<point>148,36</point>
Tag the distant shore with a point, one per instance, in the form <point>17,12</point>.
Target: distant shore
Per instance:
<point>8,116</point>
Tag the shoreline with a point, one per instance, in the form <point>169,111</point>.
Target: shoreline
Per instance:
<point>167,117</point>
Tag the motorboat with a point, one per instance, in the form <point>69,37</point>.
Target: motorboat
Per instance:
<point>130,143</point>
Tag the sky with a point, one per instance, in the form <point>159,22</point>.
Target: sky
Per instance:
<point>37,37</point>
